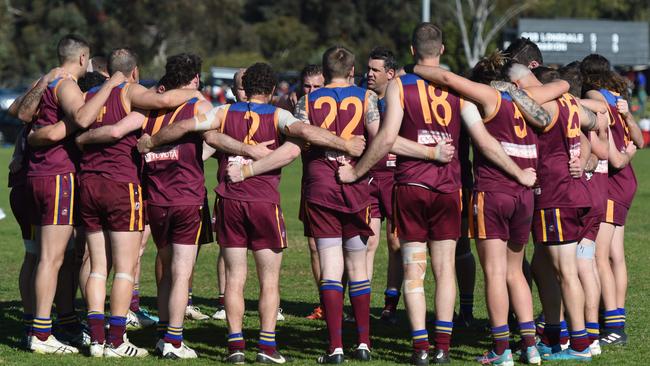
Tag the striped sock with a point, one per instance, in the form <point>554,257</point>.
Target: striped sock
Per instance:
<point>593,331</point>
<point>527,331</point>
<point>391,299</point>
<point>331,294</point>
<point>467,303</point>
<point>500,336</point>
<point>161,328</point>
<point>96,326</point>
<point>236,342</point>
<point>443,334</point>
<point>579,340</point>
<point>420,340</point>
<point>621,312</point>
<point>551,335</point>
<point>540,323</point>
<point>135,298</point>
<point>28,319</point>
<point>116,330</point>
<point>42,328</point>
<point>266,343</point>
<point>174,335</point>
<point>613,319</point>
<point>68,321</point>
<point>564,332</point>
<point>189,297</point>
<point>360,299</point>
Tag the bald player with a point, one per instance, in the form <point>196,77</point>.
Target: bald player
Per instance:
<point>427,194</point>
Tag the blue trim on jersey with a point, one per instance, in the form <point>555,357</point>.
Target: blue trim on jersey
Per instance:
<point>258,108</point>
<point>95,89</point>
<point>381,105</point>
<point>54,82</point>
<point>193,100</point>
<point>410,79</point>
<point>506,96</point>
<point>121,86</point>
<point>338,93</point>
<point>609,97</point>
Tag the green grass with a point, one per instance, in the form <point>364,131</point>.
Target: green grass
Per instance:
<point>299,338</point>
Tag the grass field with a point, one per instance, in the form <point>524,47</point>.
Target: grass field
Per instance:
<point>302,339</point>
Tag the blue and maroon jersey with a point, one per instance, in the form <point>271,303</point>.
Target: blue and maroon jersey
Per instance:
<point>508,126</point>
<point>386,165</point>
<point>340,109</point>
<point>431,115</point>
<point>173,174</point>
<point>622,183</point>
<point>250,123</point>
<point>60,157</point>
<point>118,161</point>
<point>558,143</point>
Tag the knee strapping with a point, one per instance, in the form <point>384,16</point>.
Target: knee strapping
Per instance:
<point>586,249</point>
<point>414,255</point>
<point>413,286</point>
<point>124,276</point>
<point>97,275</point>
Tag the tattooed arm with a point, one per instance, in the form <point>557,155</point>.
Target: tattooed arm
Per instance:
<point>535,115</point>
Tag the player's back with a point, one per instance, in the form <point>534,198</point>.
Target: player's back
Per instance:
<point>61,156</point>
<point>118,161</point>
<point>508,126</point>
<point>340,109</point>
<point>622,183</point>
<point>173,173</point>
<point>558,143</point>
<point>431,115</point>
<point>251,123</point>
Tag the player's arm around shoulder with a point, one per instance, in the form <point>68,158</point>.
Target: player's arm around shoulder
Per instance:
<point>72,100</point>
<point>144,98</point>
<point>49,135</point>
<point>112,133</point>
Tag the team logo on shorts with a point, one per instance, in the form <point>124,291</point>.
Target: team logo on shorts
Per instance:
<point>64,212</point>
<point>137,205</point>
<point>551,228</point>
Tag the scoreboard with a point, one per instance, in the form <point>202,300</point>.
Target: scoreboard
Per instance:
<point>565,40</point>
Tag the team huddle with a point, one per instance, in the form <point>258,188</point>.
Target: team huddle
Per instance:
<point>104,160</point>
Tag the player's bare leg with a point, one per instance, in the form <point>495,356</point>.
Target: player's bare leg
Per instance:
<point>330,252</point>
<point>315,270</point>
<point>84,268</point>
<point>373,243</point>
<point>53,243</point>
<point>99,254</point>
<point>619,268</point>
<point>550,296</point>
<point>589,279</point>
<point>414,259</point>
<point>355,254</point>
<point>443,254</point>
<point>193,312</point>
<point>268,263</point>
<point>493,256</point>
<point>394,277</point>
<point>221,285</point>
<point>236,272</point>
<point>613,331</point>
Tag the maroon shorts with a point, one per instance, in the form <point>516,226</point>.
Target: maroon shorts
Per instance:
<point>53,199</point>
<point>421,214</point>
<point>381,196</point>
<point>252,225</point>
<point>20,201</point>
<point>559,225</point>
<point>616,213</point>
<point>176,224</point>
<point>105,204</point>
<point>495,215</point>
<point>324,222</point>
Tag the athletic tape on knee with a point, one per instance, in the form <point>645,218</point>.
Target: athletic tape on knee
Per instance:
<point>414,255</point>
<point>586,249</point>
<point>97,275</point>
<point>355,244</point>
<point>124,276</point>
<point>413,286</point>
<point>31,247</point>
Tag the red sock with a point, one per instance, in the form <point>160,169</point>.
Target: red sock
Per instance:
<point>443,335</point>
<point>117,327</point>
<point>96,327</point>
<point>331,293</point>
<point>360,299</point>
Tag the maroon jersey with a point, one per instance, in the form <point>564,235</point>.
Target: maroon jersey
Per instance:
<point>386,165</point>
<point>557,144</point>
<point>173,174</point>
<point>518,140</point>
<point>118,161</point>
<point>622,183</point>
<point>342,110</point>
<point>431,115</point>
<point>19,178</point>
<point>60,157</point>
<point>250,123</point>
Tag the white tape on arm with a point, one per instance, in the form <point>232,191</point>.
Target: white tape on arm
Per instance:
<point>203,121</point>
<point>470,114</point>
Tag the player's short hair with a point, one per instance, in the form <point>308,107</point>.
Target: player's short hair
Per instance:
<point>546,74</point>
<point>90,80</point>
<point>426,40</point>
<point>490,68</point>
<point>123,60</point>
<point>386,55</point>
<point>524,51</point>
<point>597,74</point>
<point>337,62</point>
<point>310,70</point>
<point>571,74</point>
<point>180,70</point>
<point>259,79</point>
<point>99,63</point>
<point>70,46</point>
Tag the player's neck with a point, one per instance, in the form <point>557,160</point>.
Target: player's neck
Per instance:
<point>262,99</point>
<point>431,61</point>
<point>73,70</point>
<point>339,81</point>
